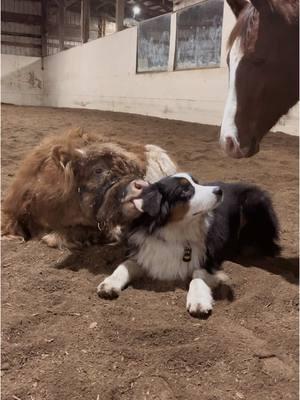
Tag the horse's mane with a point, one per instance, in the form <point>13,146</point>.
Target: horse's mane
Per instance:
<point>246,27</point>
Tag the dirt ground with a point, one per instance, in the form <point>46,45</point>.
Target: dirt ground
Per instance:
<point>61,342</point>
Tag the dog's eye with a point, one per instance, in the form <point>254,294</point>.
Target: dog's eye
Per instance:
<point>185,190</point>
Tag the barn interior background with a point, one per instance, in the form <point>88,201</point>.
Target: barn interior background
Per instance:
<point>153,57</point>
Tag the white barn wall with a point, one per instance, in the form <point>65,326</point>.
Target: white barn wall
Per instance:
<point>21,80</point>
<point>101,75</point>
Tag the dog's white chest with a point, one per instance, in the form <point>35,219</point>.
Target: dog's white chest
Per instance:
<point>165,259</point>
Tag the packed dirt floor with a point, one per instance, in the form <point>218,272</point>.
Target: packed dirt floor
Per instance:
<point>61,342</point>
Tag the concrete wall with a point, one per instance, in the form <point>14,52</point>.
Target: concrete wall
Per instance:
<point>101,75</point>
<point>21,80</point>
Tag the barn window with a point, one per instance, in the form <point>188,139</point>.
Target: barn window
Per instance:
<point>153,42</point>
<point>199,35</point>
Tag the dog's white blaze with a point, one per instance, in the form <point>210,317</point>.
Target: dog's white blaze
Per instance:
<point>203,200</point>
<point>228,127</point>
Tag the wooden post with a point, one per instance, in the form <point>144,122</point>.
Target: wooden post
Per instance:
<point>61,25</point>
<point>120,9</point>
<point>44,31</point>
<point>85,20</point>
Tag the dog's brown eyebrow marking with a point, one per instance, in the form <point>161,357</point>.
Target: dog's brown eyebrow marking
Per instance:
<point>183,181</point>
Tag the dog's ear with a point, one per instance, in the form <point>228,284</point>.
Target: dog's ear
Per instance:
<point>149,203</point>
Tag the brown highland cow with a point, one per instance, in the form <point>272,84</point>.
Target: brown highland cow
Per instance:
<point>77,189</point>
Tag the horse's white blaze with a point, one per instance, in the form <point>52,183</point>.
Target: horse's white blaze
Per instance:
<point>228,128</point>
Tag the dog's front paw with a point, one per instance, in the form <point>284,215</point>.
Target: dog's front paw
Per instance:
<point>199,310</point>
<point>107,290</point>
<point>199,302</point>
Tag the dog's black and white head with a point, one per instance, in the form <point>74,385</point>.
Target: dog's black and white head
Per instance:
<point>175,198</point>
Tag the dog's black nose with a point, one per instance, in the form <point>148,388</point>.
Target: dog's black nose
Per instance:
<point>218,192</point>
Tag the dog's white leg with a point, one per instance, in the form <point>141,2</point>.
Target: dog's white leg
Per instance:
<point>112,286</point>
<point>199,300</point>
<point>212,280</point>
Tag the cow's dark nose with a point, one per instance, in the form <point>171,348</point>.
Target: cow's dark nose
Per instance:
<point>218,192</point>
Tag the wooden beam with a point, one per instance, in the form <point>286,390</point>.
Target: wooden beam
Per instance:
<point>26,19</point>
<point>56,46</point>
<point>61,24</point>
<point>44,27</point>
<point>85,20</point>
<point>69,3</point>
<point>19,44</point>
<point>120,10</point>
<point>103,4</point>
<point>29,35</point>
<point>71,32</point>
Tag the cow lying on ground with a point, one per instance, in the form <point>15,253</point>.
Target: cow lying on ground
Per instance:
<point>76,189</point>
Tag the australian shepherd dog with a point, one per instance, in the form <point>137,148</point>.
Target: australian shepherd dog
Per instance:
<point>184,231</point>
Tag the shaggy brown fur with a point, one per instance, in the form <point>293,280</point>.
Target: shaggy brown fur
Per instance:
<point>72,185</point>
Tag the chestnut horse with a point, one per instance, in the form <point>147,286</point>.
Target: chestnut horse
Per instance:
<point>263,61</point>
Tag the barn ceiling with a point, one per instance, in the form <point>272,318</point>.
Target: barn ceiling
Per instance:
<point>149,8</point>
<point>42,27</point>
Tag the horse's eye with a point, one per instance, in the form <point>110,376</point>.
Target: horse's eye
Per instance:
<point>98,171</point>
<point>258,60</point>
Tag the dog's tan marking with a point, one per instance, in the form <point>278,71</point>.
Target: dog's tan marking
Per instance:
<point>178,212</point>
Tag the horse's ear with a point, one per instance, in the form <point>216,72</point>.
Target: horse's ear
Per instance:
<point>237,6</point>
<point>261,5</point>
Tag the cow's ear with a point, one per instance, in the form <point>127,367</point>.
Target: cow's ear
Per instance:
<point>62,155</point>
<point>237,6</point>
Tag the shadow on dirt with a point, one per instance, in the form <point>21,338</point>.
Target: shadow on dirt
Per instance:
<point>288,268</point>
<point>104,259</point>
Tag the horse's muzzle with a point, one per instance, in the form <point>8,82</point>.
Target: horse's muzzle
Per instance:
<point>232,148</point>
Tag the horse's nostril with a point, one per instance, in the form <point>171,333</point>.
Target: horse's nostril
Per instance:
<point>229,143</point>
<point>232,147</point>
